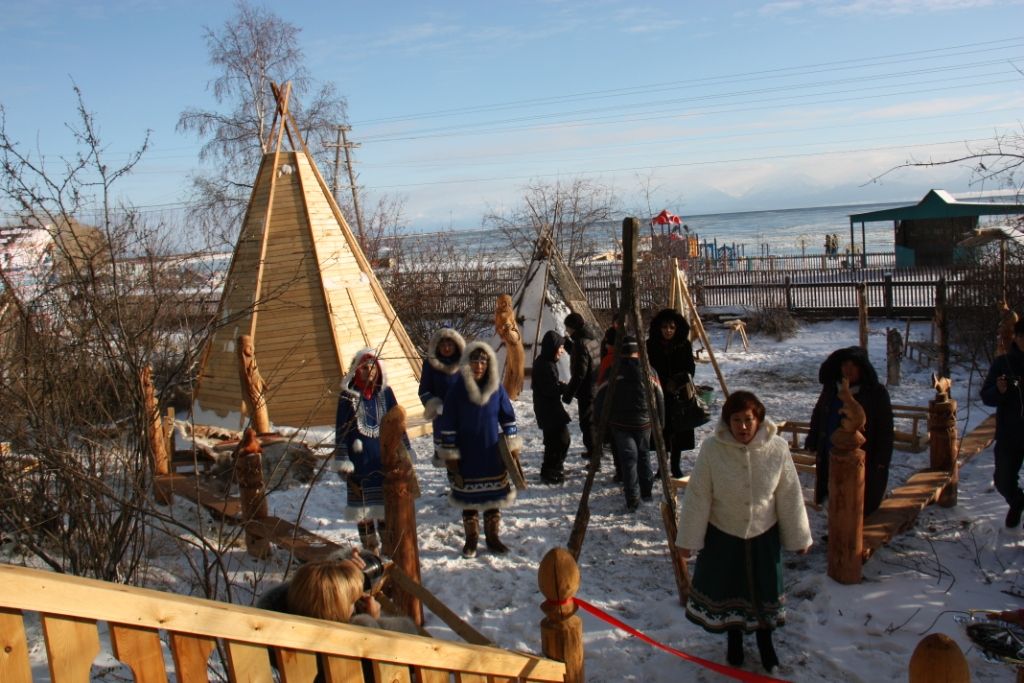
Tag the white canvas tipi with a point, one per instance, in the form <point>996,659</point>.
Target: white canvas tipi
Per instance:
<point>301,286</point>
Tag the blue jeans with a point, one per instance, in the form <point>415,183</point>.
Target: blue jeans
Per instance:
<point>632,447</point>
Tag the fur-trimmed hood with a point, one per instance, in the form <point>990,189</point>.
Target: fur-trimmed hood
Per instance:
<point>480,393</point>
<point>682,327</point>
<point>449,366</point>
<point>830,372</point>
<point>382,377</point>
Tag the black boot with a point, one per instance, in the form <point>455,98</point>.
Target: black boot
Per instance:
<point>734,651</point>
<point>769,660</point>
<point>471,522</point>
<point>492,520</point>
<point>677,473</point>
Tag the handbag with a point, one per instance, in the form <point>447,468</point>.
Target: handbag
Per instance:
<point>695,410</point>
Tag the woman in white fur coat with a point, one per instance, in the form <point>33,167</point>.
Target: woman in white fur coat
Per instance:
<point>743,505</point>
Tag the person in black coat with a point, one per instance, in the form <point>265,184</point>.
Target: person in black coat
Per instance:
<point>1002,390</point>
<point>671,355</point>
<point>547,407</point>
<point>630,421</point>
<point>853,364</point>
<point>584,360</point>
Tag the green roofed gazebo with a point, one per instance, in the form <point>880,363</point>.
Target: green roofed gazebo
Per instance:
<point>927,233</point>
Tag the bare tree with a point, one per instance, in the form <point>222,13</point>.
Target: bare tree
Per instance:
<point>252,49</point>
<point>575,211</point>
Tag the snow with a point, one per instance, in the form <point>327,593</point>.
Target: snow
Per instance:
<point>952,561</point>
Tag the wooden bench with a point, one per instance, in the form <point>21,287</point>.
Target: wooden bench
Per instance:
<point>736,326</point>
<point>142,624</point>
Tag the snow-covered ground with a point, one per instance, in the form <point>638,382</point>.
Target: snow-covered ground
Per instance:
<point>954,560</point>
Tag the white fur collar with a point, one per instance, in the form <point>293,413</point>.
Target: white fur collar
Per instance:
<point>437,363</point>
<point>479,395</point>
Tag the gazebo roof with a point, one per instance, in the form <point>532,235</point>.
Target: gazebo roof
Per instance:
<point>937,204</point>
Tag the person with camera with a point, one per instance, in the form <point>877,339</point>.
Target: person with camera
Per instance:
<point>338,590</point>
<point>1002,390</point>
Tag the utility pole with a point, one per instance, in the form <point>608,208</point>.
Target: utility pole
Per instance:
<point>344,144</point>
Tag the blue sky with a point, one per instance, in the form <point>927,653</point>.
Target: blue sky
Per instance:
<point>702,107</point>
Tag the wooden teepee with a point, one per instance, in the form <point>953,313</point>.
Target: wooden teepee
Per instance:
<point>300,285</point>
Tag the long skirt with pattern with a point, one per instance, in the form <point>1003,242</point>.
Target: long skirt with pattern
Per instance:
<point>737,583</point>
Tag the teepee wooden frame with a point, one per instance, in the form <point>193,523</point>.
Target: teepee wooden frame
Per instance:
<point>301,287</point>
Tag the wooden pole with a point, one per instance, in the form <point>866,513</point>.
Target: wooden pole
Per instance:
<point>254,389</point>
<point>893,356</point>
<point>846,493</point>
<point>515,357</point>
<point>938,659</point>
<point>942,326</point>
<point>561,630</point>
<point>252,490</point>
<point>862,314</point>
<point>703,335</point>
<point>155,435</point>
<point>400,538</point>
<point>942,439</point>
<point>1004,338</point>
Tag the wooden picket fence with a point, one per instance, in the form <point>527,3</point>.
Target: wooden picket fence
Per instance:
<point>142,626</point>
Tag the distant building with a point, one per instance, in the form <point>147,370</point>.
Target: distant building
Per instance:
<point>927,233</point>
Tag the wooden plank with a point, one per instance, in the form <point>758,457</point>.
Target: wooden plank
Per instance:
<point>199,491</point>
<point>14,661</point>
<point>344,670</point>
<point>191,654</point>
<point>391,673</point>
<point>978,439</point>
<point>71,646</point>
<point>431,675</point>
<point>296,666</point>
<point>462,677</point>
<point>248,662</point>
<point>900,510</point>
<point>305,545</point>
<point>141,650</point>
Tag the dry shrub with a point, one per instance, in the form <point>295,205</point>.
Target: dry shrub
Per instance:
<point>777,323</point>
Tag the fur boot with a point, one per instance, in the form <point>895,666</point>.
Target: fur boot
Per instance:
<point>471,522</point>
<point>368,536</point>
<point>492,521</point>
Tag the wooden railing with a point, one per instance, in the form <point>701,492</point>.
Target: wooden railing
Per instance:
<point>141,623</point>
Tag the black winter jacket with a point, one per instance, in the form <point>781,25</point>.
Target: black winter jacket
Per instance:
<point>547,389</point>
<point>1009,406</point>
<point>878,429</point>
<point>629,409</point>
<point>672,360</point>
<point>584,360</point>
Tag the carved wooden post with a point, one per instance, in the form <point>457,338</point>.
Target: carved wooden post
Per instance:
<point>942,327</point>
<point>515,357</point>
<point>846,493</point>
<point>254,389</point>
<point>942,439</point>
<point>862,314</point>
<point>400,538</point>
<point>155,435</point>
<point>251,490</point>
<point>893,356</point>
<point>938,659</point>
<point>1004,339</point>
<point>561,631</point>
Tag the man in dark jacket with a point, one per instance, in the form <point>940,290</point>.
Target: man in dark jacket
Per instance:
<point>547,407</point>
<point>584,360</point>
<point>1002,390</point>
<point>853,364</point>
<point>629,423</point>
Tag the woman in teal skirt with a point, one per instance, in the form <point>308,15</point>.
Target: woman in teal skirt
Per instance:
<point>743,505</point>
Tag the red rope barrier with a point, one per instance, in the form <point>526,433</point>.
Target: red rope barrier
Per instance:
<point>737,674</point>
